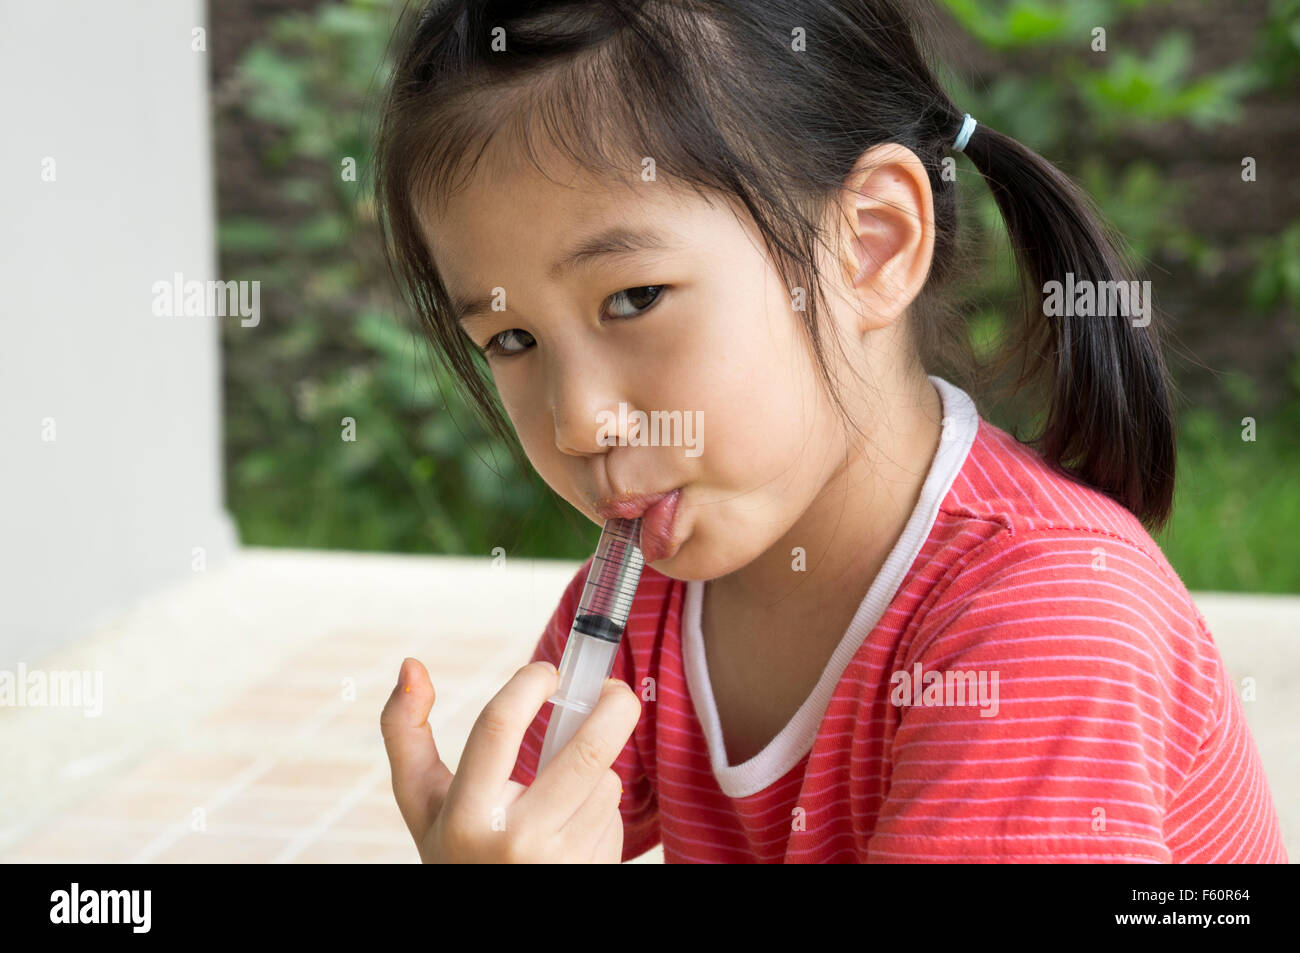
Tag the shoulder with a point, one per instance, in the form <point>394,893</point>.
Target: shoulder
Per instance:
<point>1082,615</point>
<point>1061,578</point>
<point>1037,528</point>
<point>1007,482</point>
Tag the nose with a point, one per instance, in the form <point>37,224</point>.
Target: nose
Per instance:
<point>585,408</point>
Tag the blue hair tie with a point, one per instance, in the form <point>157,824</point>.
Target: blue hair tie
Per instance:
<point>967,128</point>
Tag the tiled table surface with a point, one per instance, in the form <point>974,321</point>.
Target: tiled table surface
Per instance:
<point>241,707</point>
<point>241,712</point>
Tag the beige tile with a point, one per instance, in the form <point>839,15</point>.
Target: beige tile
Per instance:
<point>135,803</point>
<point>355,737</point>
<point>310,620</point>
<point>212,848</point>
<point>359,715</point>
<point>241,721</point>
<point>332,851</point>
<point>322,677</point>
<point>199,768</point>
<point>350,654</point>
<point>380,814</point>
<point>275,700</point>
<point>255,810</point>
<point>323,796</point>
<point>319,773</point>
<point>73,840</point>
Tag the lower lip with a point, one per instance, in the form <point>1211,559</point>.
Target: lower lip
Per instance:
<point>657,528</point>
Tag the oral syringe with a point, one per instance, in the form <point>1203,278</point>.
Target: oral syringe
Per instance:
<point>596,632</point>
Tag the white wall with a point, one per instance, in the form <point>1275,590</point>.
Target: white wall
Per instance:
<point>114,505</point>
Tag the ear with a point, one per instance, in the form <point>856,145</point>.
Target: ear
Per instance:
<point>886,219</point>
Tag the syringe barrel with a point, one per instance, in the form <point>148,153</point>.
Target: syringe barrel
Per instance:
<point>587,662</point>
<point>596,632</point>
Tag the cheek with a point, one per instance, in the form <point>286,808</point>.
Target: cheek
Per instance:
<point>766,416</point>
<point>535,430</point>
<point>520,411</point>
<point>537,447</point>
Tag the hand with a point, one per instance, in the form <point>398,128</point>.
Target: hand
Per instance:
<point>569,814</point>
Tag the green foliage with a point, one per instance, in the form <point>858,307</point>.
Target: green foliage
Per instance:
<point>1236,509</point>
<point>1028,23</point>
<point>1157,88</point>
<point>1080,107</point>
<point>422,474</point>
<point>1277,277</point>
<point>1280,48</point>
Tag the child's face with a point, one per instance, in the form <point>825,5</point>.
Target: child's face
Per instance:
<point>722,342</point>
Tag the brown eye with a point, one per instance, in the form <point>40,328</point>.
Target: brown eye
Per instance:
<point>640,298</point>
<point>494,346</point>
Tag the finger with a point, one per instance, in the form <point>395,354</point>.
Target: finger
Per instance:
<point>492,748</point>
<point>587,827</point>
<point>569,779</point>
<point>420,778</point>
<point>609,849</point>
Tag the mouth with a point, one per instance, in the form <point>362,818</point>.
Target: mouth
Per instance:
<point>657,512</point>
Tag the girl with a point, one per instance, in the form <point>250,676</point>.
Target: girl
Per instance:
<point>872,626</point>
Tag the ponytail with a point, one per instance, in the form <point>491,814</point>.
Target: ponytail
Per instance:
<point>1110,419</point>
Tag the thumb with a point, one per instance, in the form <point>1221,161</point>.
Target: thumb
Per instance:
<point>420,778</point>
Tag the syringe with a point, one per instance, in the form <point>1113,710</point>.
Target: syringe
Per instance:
<point>597,629</point>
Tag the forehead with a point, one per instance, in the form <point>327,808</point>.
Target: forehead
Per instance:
<point>514,215</point>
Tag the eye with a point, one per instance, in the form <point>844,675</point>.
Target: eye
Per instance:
<point>640,298</point>
<point>494,345</point>
<point>635,295</point>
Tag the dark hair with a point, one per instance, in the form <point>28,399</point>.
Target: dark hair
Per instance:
<point>717,94</point>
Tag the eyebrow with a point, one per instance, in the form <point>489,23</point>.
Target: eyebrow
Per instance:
<point>617,240</point>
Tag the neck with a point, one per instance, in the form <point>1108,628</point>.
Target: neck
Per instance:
<point>848,531</point>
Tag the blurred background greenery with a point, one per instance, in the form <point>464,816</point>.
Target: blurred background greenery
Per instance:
<point>1155,128</point>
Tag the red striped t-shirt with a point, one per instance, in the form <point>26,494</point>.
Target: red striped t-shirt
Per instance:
<point>1026,680</point>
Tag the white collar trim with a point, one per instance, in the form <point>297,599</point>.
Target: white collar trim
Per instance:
<point>960,425</point>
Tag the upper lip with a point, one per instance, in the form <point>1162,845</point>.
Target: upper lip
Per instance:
<point>628,506</point>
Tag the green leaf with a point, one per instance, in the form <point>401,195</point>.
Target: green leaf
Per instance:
<point>326,230</point>
<point>247,236</point>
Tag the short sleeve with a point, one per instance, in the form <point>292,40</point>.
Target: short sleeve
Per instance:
<point>1052,702</point>
<point>639,806</point>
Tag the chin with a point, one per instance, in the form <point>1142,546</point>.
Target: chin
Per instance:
<point>690,564</point>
